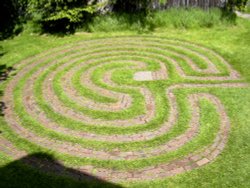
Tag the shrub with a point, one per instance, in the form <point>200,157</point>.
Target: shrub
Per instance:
<point>61,15</point>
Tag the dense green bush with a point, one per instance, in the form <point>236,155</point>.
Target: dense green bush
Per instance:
<point>61,15</point>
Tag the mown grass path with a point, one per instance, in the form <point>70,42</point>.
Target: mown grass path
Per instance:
<point>122,109</point>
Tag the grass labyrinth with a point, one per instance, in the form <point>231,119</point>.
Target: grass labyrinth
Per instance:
<point>123,108</point>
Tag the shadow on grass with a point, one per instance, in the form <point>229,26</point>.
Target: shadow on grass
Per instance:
<point>2,52</point>
<point>2,106</point>
<point>39,169</point>
<point>4,74</point>
<point>228,15</point>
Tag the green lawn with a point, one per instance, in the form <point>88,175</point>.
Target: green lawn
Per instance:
<point>230,169</point>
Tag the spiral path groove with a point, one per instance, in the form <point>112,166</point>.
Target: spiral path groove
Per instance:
<point>93,101</point>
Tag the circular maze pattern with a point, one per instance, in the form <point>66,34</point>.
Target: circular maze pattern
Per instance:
<point>103,106</point>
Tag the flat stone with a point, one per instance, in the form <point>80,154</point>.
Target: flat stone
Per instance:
<point>143,76</point>
<point>203,161</point>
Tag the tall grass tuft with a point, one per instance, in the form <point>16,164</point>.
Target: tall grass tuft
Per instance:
<point>120,22</point>
<point>186,18</point>
<point>248,7</point>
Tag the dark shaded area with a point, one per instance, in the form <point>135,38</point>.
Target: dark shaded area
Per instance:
<point>132,6</point>
<point>4,74</point>
<point>140,19</point>
<point>20,174</point>
<point>11,17</point>
<point>228,15</point>
<point>2,107</point>
<point>134,12</point>
<point>239,4</point>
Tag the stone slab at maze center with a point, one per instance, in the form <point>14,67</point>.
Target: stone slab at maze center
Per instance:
<point>143,76</point>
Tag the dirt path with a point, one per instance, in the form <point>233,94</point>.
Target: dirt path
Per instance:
<point>242,15</point>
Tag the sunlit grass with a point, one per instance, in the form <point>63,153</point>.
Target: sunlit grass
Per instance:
<point>231,168</point>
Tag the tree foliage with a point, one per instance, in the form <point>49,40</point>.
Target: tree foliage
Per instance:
<point>61,15</point>
<point>240,4</point>
<point>67,15</point>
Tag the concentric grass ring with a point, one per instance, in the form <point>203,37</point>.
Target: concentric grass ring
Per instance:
<point>72,101</point>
